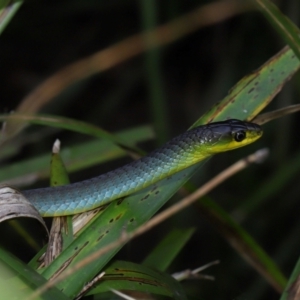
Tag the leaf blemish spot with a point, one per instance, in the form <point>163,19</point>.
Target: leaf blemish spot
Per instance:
<point>251,90</point>
<point>111,220</point>
<point>120,201</point>
<point>102,207</point>
<point>100,237</point>
<point>154,188</point>
<point>118,217</point>
<point>145,198</point>
<point>131,220</point>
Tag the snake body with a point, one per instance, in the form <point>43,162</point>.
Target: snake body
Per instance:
<point>177,154</point>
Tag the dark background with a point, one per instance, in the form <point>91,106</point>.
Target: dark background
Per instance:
<point>195,72</point>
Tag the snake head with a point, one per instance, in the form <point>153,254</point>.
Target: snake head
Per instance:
<point>231,134</point>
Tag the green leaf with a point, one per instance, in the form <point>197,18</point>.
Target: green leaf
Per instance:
<point>243,242</point>
<point>58,171</point>
<point>291,291</point>
<point>18,280</point>
<point>155,82</point>
<point>271,185</point>
<point>75,158</point>
<point>122,275</point>
<point>8,8</point>
<point>59,176</point>
<point>73,125</point>
<point>255,91</point>
<point>167,250</point>
<point>284,26</point>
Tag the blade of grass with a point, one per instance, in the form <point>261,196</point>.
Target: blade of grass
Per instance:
<point>76,158</point>
<point>241,240</point>
<point>8,8</point>
<point>264,83</point>
<point>283,25</point>
<point>154,73</point>
<point>73,125</point>
<point>18,280</point>
<point>291,291</point>
<point>122,275</point>
<point>61,233</point>
<point>163,255</point>
<point>270,186</point>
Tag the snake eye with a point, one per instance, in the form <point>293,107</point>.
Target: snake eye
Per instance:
<point>240,136</point>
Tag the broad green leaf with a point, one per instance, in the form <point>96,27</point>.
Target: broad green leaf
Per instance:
<point>244,101</point>
<point>18,280</point>
<point>167,250</point>
<point>123,275</point>
<point>255,91</point>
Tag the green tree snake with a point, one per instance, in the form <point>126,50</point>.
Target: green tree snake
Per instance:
<point>179,153</point>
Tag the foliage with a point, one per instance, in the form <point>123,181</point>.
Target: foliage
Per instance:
<point>54,53</point>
